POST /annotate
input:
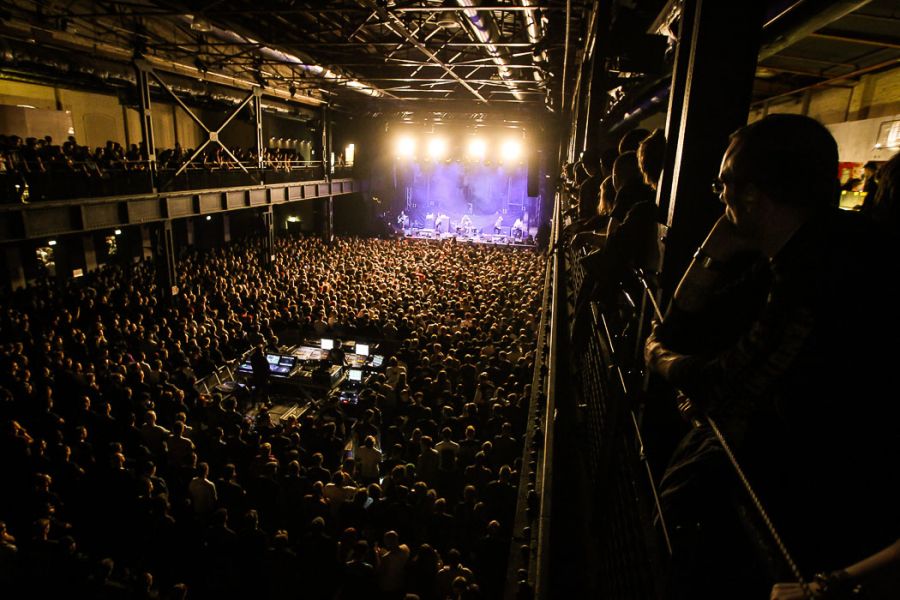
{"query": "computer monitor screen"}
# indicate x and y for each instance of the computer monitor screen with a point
(362, 349)
(355, 375)
(273, 359)
(377, 360)
(327, 344)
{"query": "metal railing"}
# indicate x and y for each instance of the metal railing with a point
(631, 552)
(708, 421)
(611, 378)
(88, 180)
(222, 374)
(583, 396)
(530, 546)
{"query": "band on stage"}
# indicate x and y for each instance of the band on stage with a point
(465, 225)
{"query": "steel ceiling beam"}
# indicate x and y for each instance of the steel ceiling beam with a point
(857, 73)
(802, 19)
(401, 30)
(841, 36)
(295, 61)
(352, 44)
(142, 12)
(64, 41)
(400, 62)
(483, 27)
(316, 80)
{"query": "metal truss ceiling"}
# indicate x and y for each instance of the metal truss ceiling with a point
(381, 55)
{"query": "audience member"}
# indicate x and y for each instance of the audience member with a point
(756, 348)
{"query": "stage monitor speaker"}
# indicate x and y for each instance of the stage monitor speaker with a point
(533, 174)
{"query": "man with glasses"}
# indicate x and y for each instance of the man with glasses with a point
(791, 356)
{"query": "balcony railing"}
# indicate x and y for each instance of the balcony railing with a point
(87, 180)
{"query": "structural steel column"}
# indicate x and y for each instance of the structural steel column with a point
(190, 231)
(15, 272)
(164, 255)
(268, 236)
(598, 99)
(90, 252)
(326, 141)
(676, 104)
(226, 227)
(328, 229)
(594, 104)
(715, 85)
(581, 105)
(145, 244)
(257, 111)
(143, 83)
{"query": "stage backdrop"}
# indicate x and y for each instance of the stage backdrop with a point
(482, 191)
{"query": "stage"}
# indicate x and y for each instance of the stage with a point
(471, 237)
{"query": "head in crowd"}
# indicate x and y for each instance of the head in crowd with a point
(590, 160)
(790, 159)
(870, 169)
(607, 158)
(626, 170)
(631, 140)
(607, 198)
(651, 155)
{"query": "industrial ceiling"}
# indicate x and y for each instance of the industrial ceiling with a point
(504, 60)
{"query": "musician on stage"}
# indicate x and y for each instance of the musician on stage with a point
(517, 229)
(497, 224)
(465, 225)
(403, 220)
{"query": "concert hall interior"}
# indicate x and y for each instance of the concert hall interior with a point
(449, 299)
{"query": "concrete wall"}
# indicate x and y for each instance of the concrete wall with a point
(855, 111)
(96, 118)
(870, 96)
(27, 121)
(858, 140)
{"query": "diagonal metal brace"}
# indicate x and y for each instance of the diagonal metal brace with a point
(396, 25)
(212, 135)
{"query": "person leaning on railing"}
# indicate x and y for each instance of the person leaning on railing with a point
(793, 367)
(876, 576)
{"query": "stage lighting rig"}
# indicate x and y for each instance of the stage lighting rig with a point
(510, 151)
(406, 147)
(437, 148)
(477, 149)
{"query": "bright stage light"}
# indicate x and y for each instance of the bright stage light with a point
(437, 148)
(477, 149)
(406, 147)
(510, 151)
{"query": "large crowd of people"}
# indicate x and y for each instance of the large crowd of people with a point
(120, 479)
